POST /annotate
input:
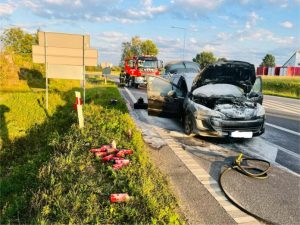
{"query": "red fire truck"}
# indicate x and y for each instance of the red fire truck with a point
(138, 67)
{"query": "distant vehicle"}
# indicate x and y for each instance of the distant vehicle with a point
(138, 67)
(224, 99)
(179, 67)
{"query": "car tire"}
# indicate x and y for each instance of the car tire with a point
(136, 86)
(188, 124)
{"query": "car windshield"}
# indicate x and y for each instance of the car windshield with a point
(186, 67)
(192, 67)
(148, 63)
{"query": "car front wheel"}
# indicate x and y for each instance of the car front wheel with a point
(188, 124)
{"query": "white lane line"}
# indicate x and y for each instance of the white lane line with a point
(133, 99)
(296, 105)
(283, 129)
(280, 109)
(278, 106)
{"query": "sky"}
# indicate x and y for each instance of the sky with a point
(243, 30)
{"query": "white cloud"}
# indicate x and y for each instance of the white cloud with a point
(264, 35)
(92, 10)
(287, 24)
(194, 8)
(58, 2)
(193, 40)
(113, 37)
(199, 4)
(253, 17)
(7, 9)
(224, 36)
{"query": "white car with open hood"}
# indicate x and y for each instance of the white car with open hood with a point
(224, 99)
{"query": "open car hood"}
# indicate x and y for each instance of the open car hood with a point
(241, 74)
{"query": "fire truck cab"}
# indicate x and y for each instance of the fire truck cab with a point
(138, 67)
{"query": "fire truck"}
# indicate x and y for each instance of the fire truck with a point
(138, 67)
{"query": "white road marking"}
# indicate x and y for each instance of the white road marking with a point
(283, 129)
(293, 108)
(133, 99)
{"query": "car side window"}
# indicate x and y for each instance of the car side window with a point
(162, 87)
(257, 87)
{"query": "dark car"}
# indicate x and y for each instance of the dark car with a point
(224, 99)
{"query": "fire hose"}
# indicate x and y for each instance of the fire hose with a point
(241, 165)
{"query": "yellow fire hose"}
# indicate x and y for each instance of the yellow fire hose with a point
(240, 165)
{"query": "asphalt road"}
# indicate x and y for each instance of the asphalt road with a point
(283, 122)
(273, 199)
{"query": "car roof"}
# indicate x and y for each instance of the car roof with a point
(179, 62)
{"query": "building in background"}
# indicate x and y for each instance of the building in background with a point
(294, 61)
(290, 68)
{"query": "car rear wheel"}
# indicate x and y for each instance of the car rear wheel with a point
(188, 124)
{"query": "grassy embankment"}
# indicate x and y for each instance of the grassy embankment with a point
(282, 86)
(47, 173)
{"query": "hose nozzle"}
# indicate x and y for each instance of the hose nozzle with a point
(239, 159)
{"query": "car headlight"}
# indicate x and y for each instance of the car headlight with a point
(260, 111)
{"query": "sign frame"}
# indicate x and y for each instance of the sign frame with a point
(64, 46)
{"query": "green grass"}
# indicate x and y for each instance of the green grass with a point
(282, 86)
(47, 173)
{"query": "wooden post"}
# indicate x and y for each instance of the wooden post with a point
(79, 109)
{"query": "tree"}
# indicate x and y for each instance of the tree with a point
(149, 48)
(18, 41)
(222, 59)
(137, 47)
(268, 60)
(204, 59)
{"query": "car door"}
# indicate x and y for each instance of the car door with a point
(165, 99)
(256, 91)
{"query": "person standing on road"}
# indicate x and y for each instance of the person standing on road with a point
(122, 77)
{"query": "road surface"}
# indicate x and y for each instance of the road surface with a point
(203, 159)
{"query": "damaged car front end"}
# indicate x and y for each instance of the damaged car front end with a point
(225, 115)
(224, 99)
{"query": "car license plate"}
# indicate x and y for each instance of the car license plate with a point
(238, 134)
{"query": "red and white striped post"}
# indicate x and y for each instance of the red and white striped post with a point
(78, 107)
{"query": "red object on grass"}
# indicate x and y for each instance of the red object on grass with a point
(111, 150)
(124, 162)
(124, 152)
(122, 197)
(100, 154)
(117, 166)
(102, 149)
(108, 158)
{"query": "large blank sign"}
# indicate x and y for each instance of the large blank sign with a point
(64, 54)
(69, 72)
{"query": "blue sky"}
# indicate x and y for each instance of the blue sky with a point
(235, 29)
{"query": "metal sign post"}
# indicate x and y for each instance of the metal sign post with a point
(83, 70)
(45, 47)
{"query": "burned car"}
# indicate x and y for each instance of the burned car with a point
(224, 99)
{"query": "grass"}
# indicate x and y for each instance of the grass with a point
(47, 173)
(282, 86)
